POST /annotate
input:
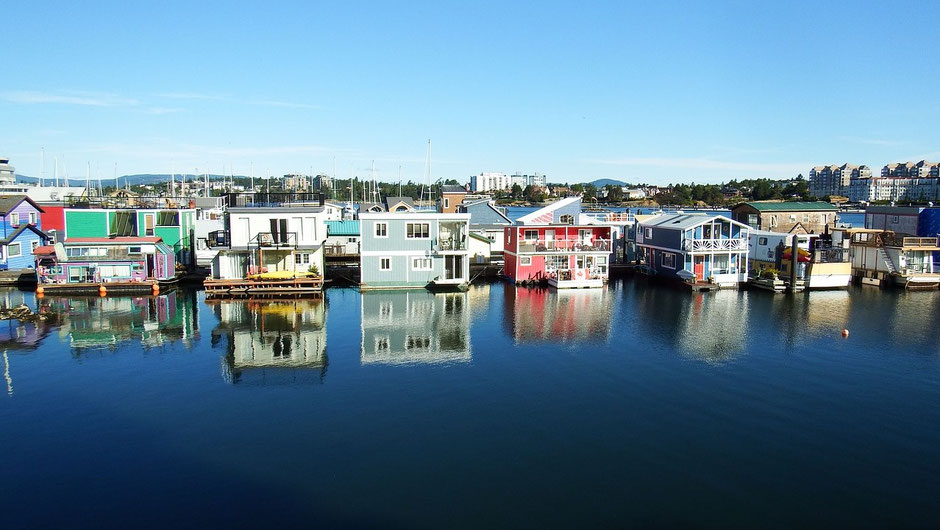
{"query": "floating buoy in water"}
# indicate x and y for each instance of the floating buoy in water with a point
(845, 333)
(156, 288)
(40, 289)
(102, 290)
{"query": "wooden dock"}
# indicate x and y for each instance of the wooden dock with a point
(97, 288)
(244, 288)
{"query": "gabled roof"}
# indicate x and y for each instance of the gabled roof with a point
(789, 206)
(347, 227)
(489, 203)
(9, 202)
(391, 202)
(20, 230)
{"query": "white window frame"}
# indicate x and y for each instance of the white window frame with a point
(14, 219)
(648, 233)
(762, 240)
(525, 261)
(383, 227)
(382, 262)
(131, 251)
(32, 218)
(33, 245)
(19, 250)
(412, 227)
(422, 264)
(446, 202)
(525, 235)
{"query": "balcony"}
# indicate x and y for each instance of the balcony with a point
(563, 245)
(713, 245)
(451, 244)
(218, 238)
(275, 239)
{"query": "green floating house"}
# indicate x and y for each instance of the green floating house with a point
(175, 226)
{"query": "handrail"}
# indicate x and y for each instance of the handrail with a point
(692, 245)
(565, 245)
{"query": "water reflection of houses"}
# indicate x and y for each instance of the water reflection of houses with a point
(96, 323)
(582, 315)
(277, 342)
(403, 327)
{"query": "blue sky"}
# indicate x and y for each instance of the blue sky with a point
(656, 92)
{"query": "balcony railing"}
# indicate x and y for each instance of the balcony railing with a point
(919, 242)
(611, 217)
(564, 245)
(451, 244)
(708, 245)
(275, 239)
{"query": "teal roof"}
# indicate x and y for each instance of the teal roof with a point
(348, 227)
(791, 206)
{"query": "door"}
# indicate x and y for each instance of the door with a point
(148, 225)
(700, 268)
(550, 240)
(150, 273)
(453, 267)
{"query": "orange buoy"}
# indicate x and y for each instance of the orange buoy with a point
(102, 290)
(40, 289)
(156, 288)
(845, 333)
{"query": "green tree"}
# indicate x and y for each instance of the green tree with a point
(517, 191)
(614, 193)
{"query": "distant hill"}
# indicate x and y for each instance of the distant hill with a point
(134, 180)
(600, 183)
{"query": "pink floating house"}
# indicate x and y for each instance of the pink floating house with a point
(564, 256)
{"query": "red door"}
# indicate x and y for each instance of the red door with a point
(700, 268)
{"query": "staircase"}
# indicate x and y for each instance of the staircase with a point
(887, 260)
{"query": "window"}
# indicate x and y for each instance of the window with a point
(421, 264)
(14, 219)
(14, 250)
(525, 262)
(32, 218)
(762, 241)
(566, 219)
(350, 240)
(649, 232)
(897, 218)
(418, 231)
(531, 235)
(669, 260)
(385, 264)
(114, 271)
(417, 343)
(133, 250)
(805, 217)
(773, 221)
(446, 202)
(33, 245)
(302, 258)
(168, 218)
(148, 224)
(381, 229)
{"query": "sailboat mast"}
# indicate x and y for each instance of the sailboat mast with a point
(42, 164)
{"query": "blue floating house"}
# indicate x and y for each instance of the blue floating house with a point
(694, 247)
(21, 232)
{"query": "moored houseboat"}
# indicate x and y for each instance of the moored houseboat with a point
(105, 264)
(886, 258)
(819, 264)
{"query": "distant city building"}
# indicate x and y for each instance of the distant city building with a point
(535, 179)
(490, 182)
(322, 182)
(834, 179)
(900, 181)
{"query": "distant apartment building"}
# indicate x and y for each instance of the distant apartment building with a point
(322, 182)
(535, 179)
(485, 182)
(834, 179)
(899, 181)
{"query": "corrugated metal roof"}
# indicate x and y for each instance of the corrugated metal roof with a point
(790, 206)
(683, 221)
(349, 227)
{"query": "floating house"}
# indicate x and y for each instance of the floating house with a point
(21, 232)
(174, 226)
(487, 220)
(819, 265)
(342, 238)
(261, 240)
(414, 249)
(788, 217)
(564, 256)
(694, 247)
(922, 221)
(886, 258)
(120, 263)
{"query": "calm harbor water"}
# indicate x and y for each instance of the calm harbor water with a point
(501, 407)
